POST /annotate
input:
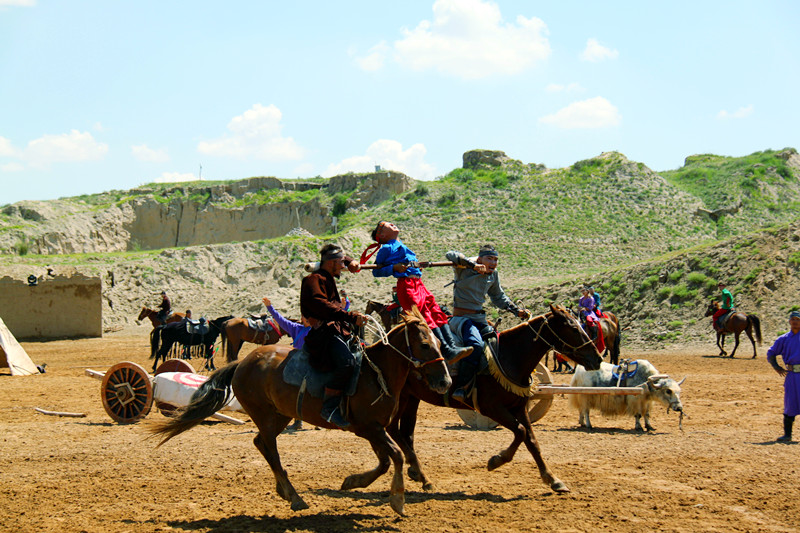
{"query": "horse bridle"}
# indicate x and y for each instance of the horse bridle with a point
(416, 362)
(565, 344)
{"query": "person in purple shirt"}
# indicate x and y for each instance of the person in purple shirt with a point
(788, 347)
(296, 330)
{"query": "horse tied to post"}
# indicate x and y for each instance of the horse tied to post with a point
(504, 392)
(735, 323)
(162, 338)
(257, 381)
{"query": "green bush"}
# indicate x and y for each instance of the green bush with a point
(675, 276)
(683, 292)
(339, 204)
(696, 278)
(675, 324)
(649, 281)
(663, 292)
(22, 247)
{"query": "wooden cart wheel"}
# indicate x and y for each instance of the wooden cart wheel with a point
(540, 403)
(127, 392)
(174, 365)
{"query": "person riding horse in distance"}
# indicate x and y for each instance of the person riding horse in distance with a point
(726, 305)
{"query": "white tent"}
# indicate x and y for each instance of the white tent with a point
(13, 356)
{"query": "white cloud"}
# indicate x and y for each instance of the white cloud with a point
(12, 167)
(144, 153)
(374, 59)
(255, 133)
(72, 146)
(175, 177)
(569, 88)
(303, 170)
(469, 39)
(593, 113)
(17, 3)
(742, 112)
(390, 156)
(595, 52)
(6, 149)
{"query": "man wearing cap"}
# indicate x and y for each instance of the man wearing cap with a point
(476, 279)
(788, 347)
(726, 306)
(327, 343)
(165, 306)
(396, 259)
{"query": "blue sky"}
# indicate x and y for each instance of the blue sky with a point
(101, 95)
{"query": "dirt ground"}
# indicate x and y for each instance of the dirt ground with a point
(723, 472)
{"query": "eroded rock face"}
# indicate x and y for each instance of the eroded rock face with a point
(484, 158)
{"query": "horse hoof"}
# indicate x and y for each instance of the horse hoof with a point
(299, 505)
(495, 462)
(398, 503)
(282, 493)
(559, 486)
(351, 482)
(427, 486)
(413, 474)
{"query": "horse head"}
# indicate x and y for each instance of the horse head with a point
(418, 346)
(144, 313)
(373, 307)
(568, 337)
(713, 307)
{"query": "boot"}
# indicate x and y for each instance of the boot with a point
(450, 351)
(331, 412)
(788, 421)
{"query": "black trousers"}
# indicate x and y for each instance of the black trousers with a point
(329, 352)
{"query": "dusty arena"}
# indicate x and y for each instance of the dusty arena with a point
(722, 472)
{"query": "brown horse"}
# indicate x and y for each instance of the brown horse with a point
(237, 330)
(153, 316)
(611, 336)
(257, 381)
(736, 323)
(387, 319)
(504, 393)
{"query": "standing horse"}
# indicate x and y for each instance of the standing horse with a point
(163, 337)
(153, 316)
(611, 336)
(736, 323)
(504, 393)
(257, 382)
(237, 330)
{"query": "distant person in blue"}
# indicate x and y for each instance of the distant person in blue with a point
(296, 330)
(597, 306)
(788, 347)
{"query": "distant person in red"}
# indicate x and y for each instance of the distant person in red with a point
(396, 259)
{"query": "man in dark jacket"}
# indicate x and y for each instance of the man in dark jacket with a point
(327, 343)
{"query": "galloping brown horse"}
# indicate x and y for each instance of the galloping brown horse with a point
(237, 330)
(505, 391)
(736, 323)
(257, 382)
(153, 316)
(387, 319)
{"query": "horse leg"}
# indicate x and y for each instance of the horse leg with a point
(365, 479)
(502, 416)
(736, 345)
(386, 450)
(752, 340)
(401, 429)
(270, 424)
(721, 344)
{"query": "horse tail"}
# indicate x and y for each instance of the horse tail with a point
(155, 337)
(209, 398)
(756, 325)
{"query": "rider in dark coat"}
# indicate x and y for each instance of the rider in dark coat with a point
(331, 327)
(165, 306)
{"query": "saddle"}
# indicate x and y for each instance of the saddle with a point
(197, 327)
(620, 374)
(262, 324)
(298, 371)
(723, 319)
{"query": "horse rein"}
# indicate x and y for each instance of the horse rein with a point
(417, 363)
(564, 343)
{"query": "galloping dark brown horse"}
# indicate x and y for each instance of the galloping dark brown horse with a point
(257, 382)
(383, 311)
(237, 330)
(153, 316)
(505, 391)
(736, 323)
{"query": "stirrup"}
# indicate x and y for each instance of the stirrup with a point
(459, 355)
